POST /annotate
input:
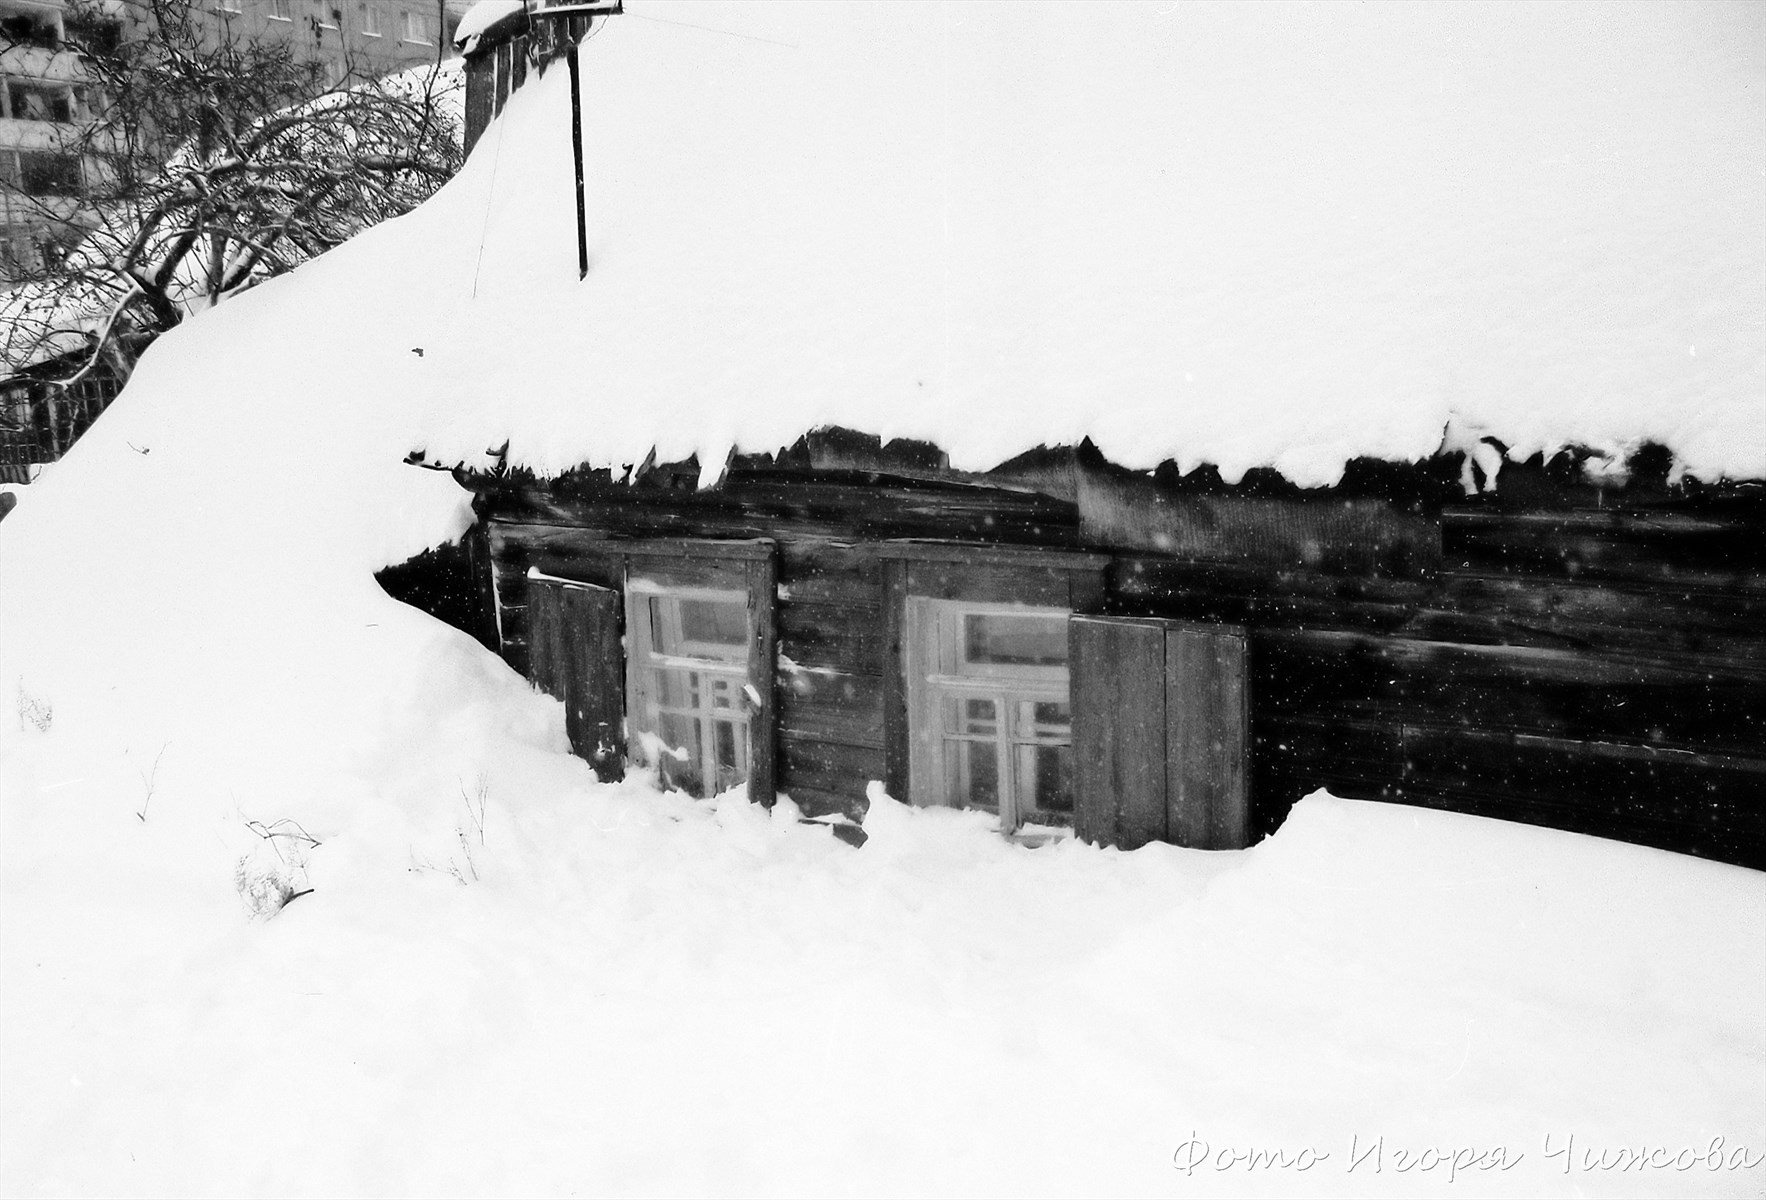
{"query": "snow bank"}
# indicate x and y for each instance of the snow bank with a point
(700, 998)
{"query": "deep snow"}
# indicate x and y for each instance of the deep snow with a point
(643, 993)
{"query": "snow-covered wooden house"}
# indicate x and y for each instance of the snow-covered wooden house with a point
(1080, 417)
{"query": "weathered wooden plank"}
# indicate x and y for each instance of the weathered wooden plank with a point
(923, 550)
(575, 656)
(1592, 697)
(895, 697)
(548, 662)
(1207, 737)
(594, 692)
(818, 803)
(824, 572)
(1726, 623)
(842, 638)
(830, 706)
(829, 505)
(1117, 668)
(762, 680)
(480, 89)
(504, 72)
(1323, 532)
(828, 767)
(1713, 805)
(989, 583)
(1657, 546)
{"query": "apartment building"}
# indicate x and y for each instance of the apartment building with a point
(45, 98)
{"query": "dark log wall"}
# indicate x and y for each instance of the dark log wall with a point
(1588, 668)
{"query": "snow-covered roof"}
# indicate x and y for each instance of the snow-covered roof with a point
(1235, 234)
(1229, 234)
(480, 17)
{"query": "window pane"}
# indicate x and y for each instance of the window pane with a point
(1015, 640)
(677, 688)
(680, 764)
(973, 717)
(719, 621)
(730, 746)
(1043, 720)
(972, 774)
(1044, 778)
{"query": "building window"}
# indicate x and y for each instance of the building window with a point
(31, 100)
(988, 703)
(228, 7)
(34, 28)
(370, 21)
(18, 254)
(663, 654)
(328, 18)
(691, 699)
(279, 11)
(416, 27)
(46, 173)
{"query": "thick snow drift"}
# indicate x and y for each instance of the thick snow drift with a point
(640, 995)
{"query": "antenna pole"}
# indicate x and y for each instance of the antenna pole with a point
(576, 147)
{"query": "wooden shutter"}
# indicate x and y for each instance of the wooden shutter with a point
(1160, 732)
(574, 654)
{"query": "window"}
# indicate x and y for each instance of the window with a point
(370, 21)
(988, 695)
(688, 690)
(279, 11)
(38, 28)
(977, 705)
(228, 7)
(46, 173)
(691, 700)
(18, 253)
(33, 100)
(416, 27)
(328, 18)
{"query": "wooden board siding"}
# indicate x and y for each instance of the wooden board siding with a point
(1592, 669)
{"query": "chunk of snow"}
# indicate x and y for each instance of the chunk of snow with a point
(480, 17)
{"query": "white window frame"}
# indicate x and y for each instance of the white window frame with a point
(280, 10)
(644, 708)
(371, 20)
(938, 670)
(416, 28)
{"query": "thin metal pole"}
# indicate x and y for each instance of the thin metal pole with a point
(576, 146)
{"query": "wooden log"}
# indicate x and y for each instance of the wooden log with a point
(816, 571)
(829, 706)
(828, 767)
(847, 638)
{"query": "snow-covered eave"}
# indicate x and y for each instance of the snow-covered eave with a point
(1461, 469)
